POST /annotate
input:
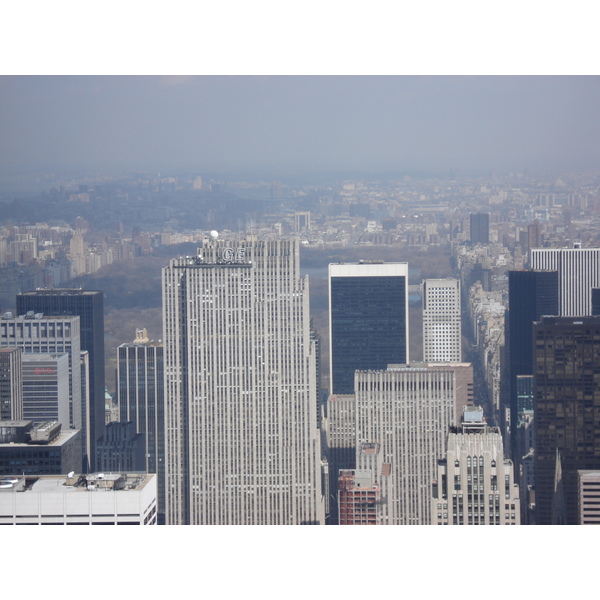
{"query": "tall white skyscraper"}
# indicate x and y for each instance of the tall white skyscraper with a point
(578, 272)
(403, 417)
(241, 439)
(441, 320)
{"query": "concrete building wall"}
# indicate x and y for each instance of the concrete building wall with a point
(407, 412)
(242, 444)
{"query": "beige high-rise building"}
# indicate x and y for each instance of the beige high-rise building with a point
(241, 439)
(474, 484)
(589, 497)
(403, 417)
(442, 335)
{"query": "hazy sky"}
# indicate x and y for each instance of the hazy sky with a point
(300, 123)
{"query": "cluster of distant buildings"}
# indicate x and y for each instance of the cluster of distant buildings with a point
(136, 216)
(224, 423)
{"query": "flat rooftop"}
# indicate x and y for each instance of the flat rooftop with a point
(78, 483)
(62, 438)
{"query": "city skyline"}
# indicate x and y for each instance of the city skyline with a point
(432, 39)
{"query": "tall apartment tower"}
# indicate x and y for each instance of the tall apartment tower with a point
(578, 273)
(534, 235)
(89, 307)
(442, 335)
(480, 228)
(403, 417)
(566, 409)
(475, 484)
(241, 439)
(11, 384)
(368, 324)
(140, 397)
(531, 294)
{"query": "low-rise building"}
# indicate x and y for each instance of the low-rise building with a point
(94, 499)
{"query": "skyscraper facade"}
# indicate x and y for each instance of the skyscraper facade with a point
(241, 439)
(340, 428)
(589, 497)
(368, 324)
(46, 388)
(88, 305)
(566, 409)
(596, 302)
(39, 334)
(442, 334)
(578, 273)
(475, 483)
(480, 228)
(531, 294)
(403, 417)
(11, 384)
(140, 390)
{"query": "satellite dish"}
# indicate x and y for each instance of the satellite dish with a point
(214, 234)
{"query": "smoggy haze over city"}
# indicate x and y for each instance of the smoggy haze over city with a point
(299, 123)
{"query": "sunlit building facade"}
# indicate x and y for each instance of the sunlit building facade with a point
(442, 334)
(403, 417)
(241, 439)
(578, 273)
(475, 484)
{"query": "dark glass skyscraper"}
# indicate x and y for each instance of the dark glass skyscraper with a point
(89, 307)
(596, 302)
(368, 325)
(531, 294)
(480, 228)
(566, 410)
(140, 388)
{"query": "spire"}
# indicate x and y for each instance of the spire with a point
(558, 516)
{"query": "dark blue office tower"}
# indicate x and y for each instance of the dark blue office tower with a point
(368, 325)
(566, 413)
(480, 228)
(531, 294)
